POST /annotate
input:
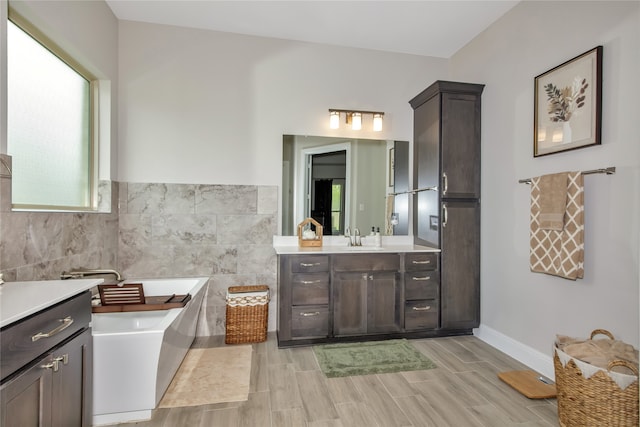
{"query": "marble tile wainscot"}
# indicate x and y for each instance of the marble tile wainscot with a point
(41, 245)
(183, 230)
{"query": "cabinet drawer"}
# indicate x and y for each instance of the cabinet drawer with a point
(421, 261)
(422, 314)
(421, 285)
(25, 340)
(310, 288)
(309, 263)
(310, 321)
(367, 262)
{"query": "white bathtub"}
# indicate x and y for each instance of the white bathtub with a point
(136, 354)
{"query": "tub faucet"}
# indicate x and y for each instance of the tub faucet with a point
(80, 273)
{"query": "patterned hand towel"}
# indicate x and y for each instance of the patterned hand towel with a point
(553, 200)
(388, 227)
(559, 252)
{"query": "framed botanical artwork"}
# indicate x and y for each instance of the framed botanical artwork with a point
(568, 105)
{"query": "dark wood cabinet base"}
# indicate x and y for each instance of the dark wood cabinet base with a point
(431, 333)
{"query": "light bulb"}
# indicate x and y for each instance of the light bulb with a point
(334, 119)
(377, 122)
(356, 121)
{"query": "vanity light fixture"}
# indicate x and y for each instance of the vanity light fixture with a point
(354, 118)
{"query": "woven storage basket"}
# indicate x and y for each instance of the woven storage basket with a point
(247, 314)
(597, 400)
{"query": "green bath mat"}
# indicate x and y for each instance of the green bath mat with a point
(347, 359)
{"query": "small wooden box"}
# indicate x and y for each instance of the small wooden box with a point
(317, 242)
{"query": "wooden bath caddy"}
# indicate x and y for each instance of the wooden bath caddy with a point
(130, 297)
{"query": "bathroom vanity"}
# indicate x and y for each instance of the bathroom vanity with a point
(335, 293)
(46, 353)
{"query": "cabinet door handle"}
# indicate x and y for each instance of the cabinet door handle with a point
(427, 261)
(66, 322)
(445, 183)
(421, 278)
(425, 308)
(310, 314)
(309, 282)
(64, 359)
(309, 264)
(445, 215)
(53, 365)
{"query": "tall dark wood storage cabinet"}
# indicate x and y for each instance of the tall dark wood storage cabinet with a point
(447, 156)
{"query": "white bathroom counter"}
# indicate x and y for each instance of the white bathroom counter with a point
(21, 299)
(338, 245)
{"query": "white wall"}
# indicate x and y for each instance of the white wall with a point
(206, 107)
(529, 40)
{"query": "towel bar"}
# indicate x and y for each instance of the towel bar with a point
(417, 190)
(609, 171)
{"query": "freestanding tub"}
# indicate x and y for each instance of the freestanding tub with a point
(136, 354)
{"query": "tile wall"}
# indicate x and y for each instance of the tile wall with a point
(154, 230)
(224, 232)
(41, 245)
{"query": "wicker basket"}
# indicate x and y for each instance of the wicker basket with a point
(597, 400)
(247, 314)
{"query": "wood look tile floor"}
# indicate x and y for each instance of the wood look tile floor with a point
(289, 390)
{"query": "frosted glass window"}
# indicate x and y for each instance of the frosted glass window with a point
(49, 127)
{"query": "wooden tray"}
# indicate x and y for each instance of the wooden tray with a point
(529, 384)
(163, 302)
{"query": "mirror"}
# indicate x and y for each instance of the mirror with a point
(345, 183)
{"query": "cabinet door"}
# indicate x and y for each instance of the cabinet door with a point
(25, 401)
(72, 386)
(460, 146)
(383, 302)
(460, 265)
(350, 303)
(427, 171)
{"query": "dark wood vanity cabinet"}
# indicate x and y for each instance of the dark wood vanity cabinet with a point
(460, 266)
(447, 158)
(47, 378)
(366, 294)
(303, 297)
(421, 291)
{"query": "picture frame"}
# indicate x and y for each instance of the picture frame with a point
(568, 105)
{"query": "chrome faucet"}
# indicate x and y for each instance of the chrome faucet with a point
(80, 273)
(347, 234)
(356, 237)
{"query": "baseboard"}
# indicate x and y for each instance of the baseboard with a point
(534, 359)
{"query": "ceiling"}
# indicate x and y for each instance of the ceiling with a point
(428, 28)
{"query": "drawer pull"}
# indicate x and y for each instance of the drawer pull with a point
(309, 264)
(309, 282)
(310, 314)
(421, 278)
(66, 322)
(427, 261)
(64, 359)
(53, 365)
(425, 308)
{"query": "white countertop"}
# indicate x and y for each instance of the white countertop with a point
(21, 299)
(338, 245)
